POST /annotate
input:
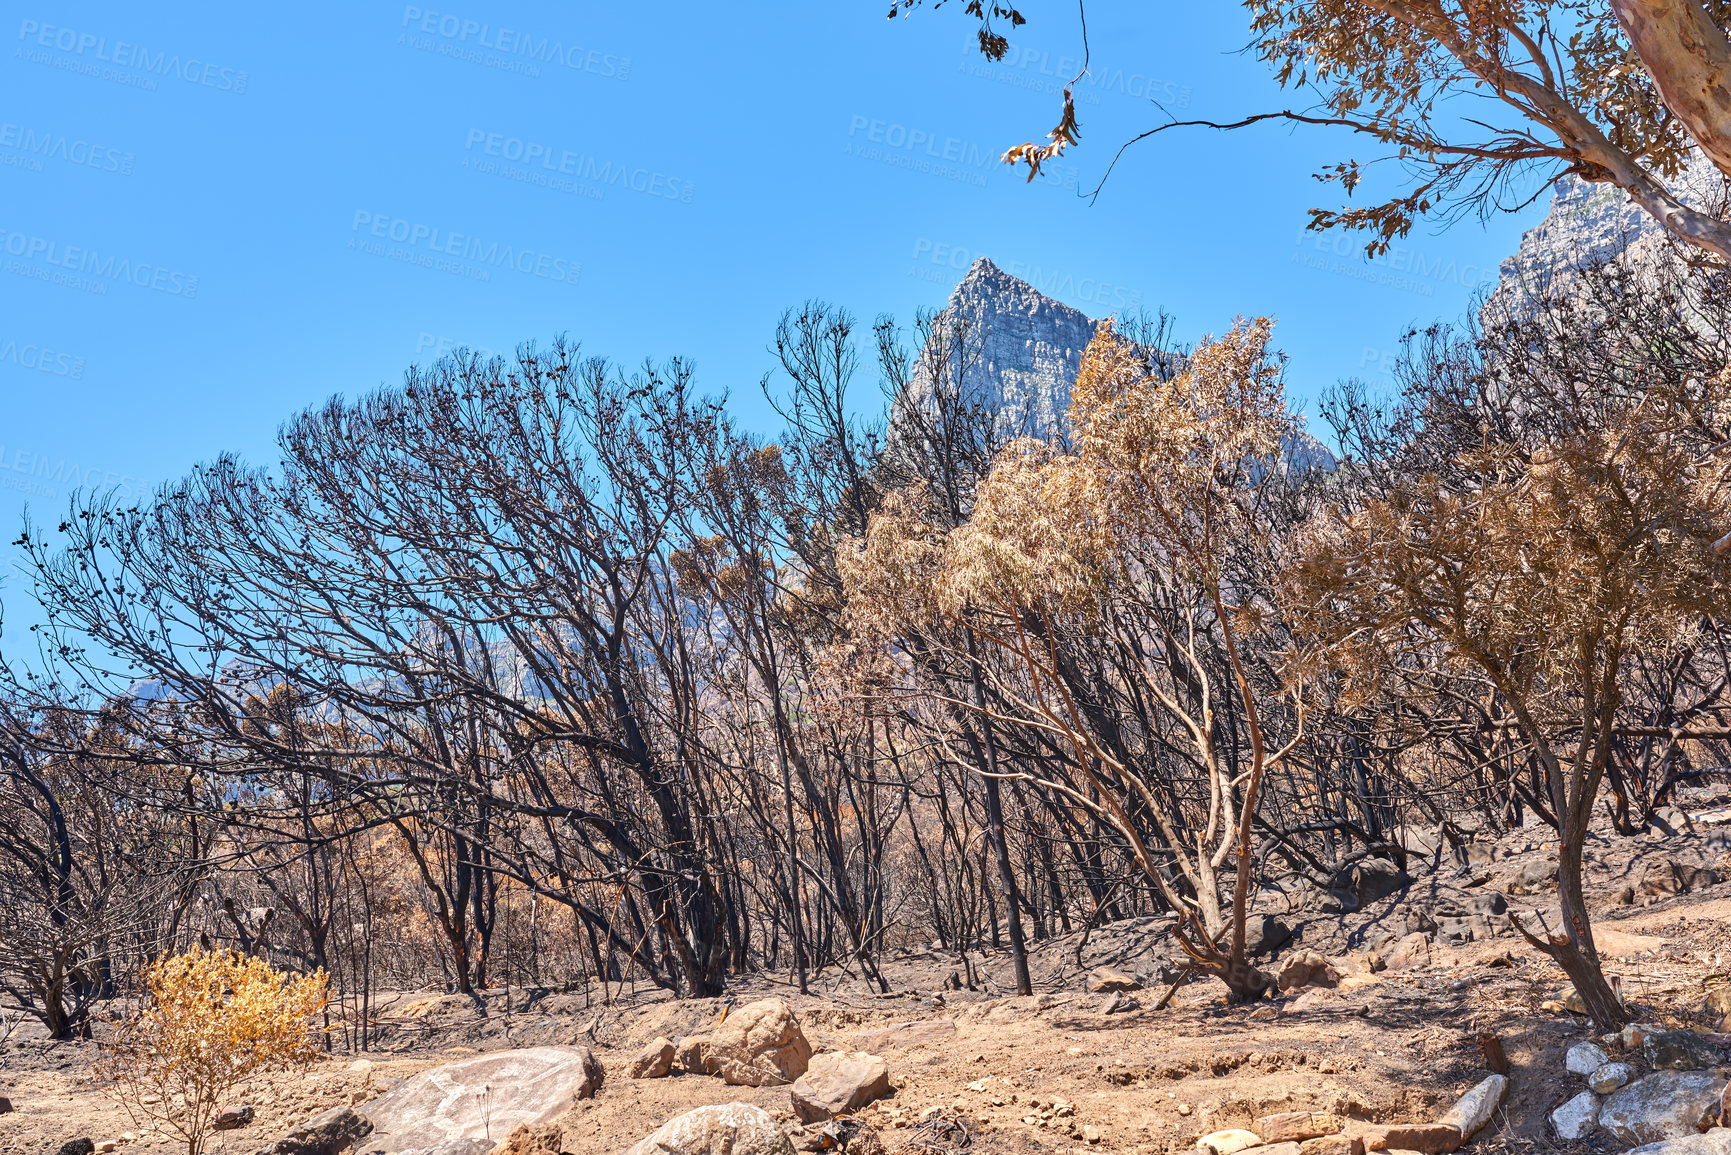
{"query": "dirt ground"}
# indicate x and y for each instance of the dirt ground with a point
(1055, 1072)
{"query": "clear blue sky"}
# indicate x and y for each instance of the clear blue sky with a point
(217, 215)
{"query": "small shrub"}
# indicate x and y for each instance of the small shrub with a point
(210, 1020)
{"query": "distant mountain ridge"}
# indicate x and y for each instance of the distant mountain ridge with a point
(1025, 352)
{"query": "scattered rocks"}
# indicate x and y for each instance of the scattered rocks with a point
(1106, 981)
(1293, 1126)
(1664, 1105)
(654, 1061)
(1576, 1117)
(486, 1095)
(229, 1118)
(324, 1134)
(1411, 951)
(1474, 1109)
(1609, 1077)
(1585, 1058)
(759, 1045)
(726, 1129)
(838, 1082)
(1228, 1142)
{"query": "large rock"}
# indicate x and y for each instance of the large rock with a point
(760, 1045)
(1411, 951)
(1474, 1109)
(1428, 1138)
(324, 1134)
(1264, 933)
(1104, 980)
(726, 1129)
(1307, 968)
(1228, 1142)
(1294, 1126)
(464, 1103)
(1369, 879)
(838, 1082)
(1664, 1105)
(1714, 1142)
(1683, 1051)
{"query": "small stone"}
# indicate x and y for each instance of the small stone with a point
(105, 1146)
(1184, 1108)
(1635, 1034)
(1228, 1142)
(1332, 1145)
(1474, 1109)
(230, 1117)
(1585, 1058)
(1091, 1133)
(1609, 1077)
(361, 1067)
(1576, 1117)
(1427, 1138)
(5, 1105)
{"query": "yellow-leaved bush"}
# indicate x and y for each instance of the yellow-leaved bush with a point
(209, 1021)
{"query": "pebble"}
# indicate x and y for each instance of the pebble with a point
(106, 1145)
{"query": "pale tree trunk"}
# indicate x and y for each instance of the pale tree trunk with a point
(1689, 59)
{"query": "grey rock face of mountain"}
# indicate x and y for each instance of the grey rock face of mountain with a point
(1025, 350)
(1587, 223)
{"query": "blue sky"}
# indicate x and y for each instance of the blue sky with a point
(217, 215)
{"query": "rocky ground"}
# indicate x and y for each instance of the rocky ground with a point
(1420, 977)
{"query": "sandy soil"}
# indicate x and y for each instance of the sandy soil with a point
(1031, 1074)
